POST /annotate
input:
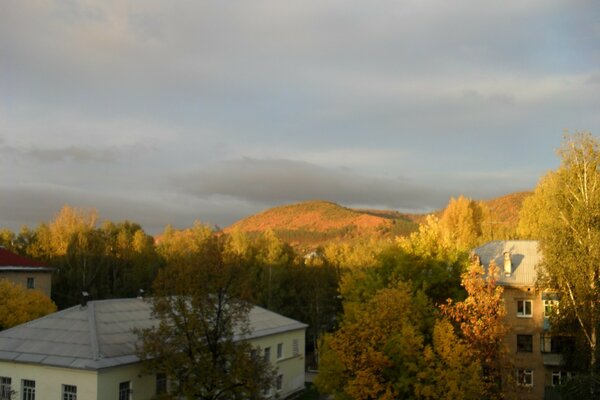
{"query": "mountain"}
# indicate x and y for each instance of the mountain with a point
(312, 223)
(315, 222)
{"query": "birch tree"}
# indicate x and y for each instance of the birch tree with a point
(564, 215)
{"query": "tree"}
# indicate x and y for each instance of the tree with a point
(390, 347)
(564, 215)
(19, 305)
(480, 318)
(461, 223)
(199, 303)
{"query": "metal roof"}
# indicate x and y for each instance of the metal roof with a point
(10, 259)
(100, 335)
(524, 257)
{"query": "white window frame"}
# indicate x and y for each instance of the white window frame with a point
(549, 305)
(125, 393)
(279, 351)
(522, 375)
(69, 392)
(161, 383)
(27, 389)
(522, 304)
(5, 387)
(279, 383)
(295, 347)
(267, 354)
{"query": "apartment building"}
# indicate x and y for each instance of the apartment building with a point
(536, 353)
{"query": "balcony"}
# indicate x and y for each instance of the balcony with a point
(552, 359)
(553, 347)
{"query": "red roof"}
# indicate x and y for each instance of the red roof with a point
(10, 259)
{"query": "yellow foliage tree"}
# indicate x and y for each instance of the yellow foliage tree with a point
(19, 305)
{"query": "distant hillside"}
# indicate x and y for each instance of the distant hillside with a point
(315, 222)
(504, 214)
(312, 223)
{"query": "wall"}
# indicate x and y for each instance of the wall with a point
(527, 326)
(291, 366)
(49, 380)
(43, 280)
(143, 386)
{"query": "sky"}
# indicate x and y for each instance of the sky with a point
(166, 112)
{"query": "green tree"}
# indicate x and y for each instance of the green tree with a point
(564, 215)
(19, 305)
(199, 303)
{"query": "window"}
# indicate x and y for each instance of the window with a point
(30, 283)
(525, 377)
(525, 343)
(524, 308)
(161, 383)
(279, 382)
(549, 306)
(5, 389)
(69, 392)
(28, 389)
(557, 378)
(267, 354)
(125, 390)
(279, 351)
(295, 347)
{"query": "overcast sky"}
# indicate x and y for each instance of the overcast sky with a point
(174, 111)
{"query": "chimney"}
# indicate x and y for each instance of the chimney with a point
(507, 264)
(85, 296)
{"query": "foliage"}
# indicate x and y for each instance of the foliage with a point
(19, 305)
(461, 223)
(564, 214)
(480, 317)
(390, 347)
(199, 301)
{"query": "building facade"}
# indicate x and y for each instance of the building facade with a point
(88, 353)
(24, 271)
(536, 353)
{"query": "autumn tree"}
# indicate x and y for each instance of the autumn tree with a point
(383, 350)
(199, 301)
(19, 305)
(564, 215)
(461, 223)
(480, 318)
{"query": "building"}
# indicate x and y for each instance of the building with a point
(88, 352)
(22, 270)
(536, 354)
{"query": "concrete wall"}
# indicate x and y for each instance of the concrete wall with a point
(291, 366)
(143, 386)
(49, 380)
(43, 280)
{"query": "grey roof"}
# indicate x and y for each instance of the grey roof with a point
(101, 334)
(524, 256)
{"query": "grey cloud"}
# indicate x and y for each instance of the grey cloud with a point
(32, 204)
(281, 181)
(77, 154)
(73, 153)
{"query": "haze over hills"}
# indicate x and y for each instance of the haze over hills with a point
(312, 223)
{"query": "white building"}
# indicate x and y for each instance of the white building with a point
(88, 353)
